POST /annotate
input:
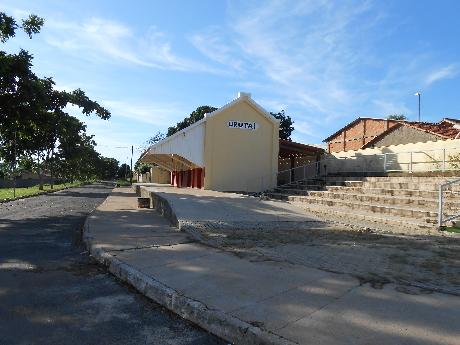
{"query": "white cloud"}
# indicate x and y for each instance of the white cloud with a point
(447, 72)
(212, 44)
(306, 50)
(272, 105)
(160, 115)
(305, 128)
(103, 40)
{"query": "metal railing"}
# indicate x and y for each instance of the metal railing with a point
(446, 159)
(408, 161)
(442, 188)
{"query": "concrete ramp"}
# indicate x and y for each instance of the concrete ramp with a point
(194, 209)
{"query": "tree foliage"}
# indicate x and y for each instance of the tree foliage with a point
(156, 138)
(286, 125)
(143, 168)
(195, 116)
(124, 171)
(34, 125)
(400, 117)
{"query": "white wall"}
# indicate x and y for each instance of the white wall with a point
(188, 143)
(428, 156)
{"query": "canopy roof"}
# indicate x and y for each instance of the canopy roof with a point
(292, 149)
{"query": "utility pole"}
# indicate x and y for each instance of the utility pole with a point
(131, 173)
(14, 165)
(418, 94)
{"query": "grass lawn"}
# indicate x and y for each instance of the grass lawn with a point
(7, 193)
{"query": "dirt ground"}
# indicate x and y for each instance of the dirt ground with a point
(431, 262)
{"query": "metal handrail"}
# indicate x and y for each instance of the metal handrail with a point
(441, 200)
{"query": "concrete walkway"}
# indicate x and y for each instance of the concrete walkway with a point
(195, 208)
(248, 301)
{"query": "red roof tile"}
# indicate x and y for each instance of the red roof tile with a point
(445, 129)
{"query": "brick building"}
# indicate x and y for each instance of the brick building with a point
(370, 132)
(358, 133)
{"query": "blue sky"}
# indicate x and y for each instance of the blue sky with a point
(151, 63)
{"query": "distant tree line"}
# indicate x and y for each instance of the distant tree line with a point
(36, 133)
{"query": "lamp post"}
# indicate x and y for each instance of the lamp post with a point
(418, 94)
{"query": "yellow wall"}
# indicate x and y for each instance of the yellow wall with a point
(238, 159)
(160, 175)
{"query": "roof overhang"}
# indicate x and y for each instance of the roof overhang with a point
(289, 149)
(171, 162)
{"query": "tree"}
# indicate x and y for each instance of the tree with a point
(195, 116)
(33, 123)
(143, 168)
(124, 171)
(108, 168)
(286, 123)
(399, 117)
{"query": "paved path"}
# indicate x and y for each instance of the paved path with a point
(52, 293)
(288, 303)
(217, 209)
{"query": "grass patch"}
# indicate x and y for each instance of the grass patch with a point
(6, 194)
(123, 183)
(452, 229)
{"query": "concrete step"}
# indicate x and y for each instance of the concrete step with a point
(300, 187)
(385, 222)
(405, 178)
(292, 191)
(422, 203)
(396, 210)
(401, 185)
(385, 191)
(275, 196)
(320, 182)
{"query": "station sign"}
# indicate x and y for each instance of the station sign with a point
(250, 126)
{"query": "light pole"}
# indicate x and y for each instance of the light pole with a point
(418, 94)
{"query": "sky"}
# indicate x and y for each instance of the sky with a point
(324, 62)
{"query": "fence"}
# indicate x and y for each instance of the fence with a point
(444, 159)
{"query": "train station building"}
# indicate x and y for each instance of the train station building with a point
(234, 148)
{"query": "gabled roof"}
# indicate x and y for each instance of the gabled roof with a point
(351, 124)
(443, 129)
(446, 129)
(244, 97)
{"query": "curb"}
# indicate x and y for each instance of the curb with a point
(214, 321)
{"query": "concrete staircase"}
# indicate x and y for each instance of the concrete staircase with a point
(386, 203)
